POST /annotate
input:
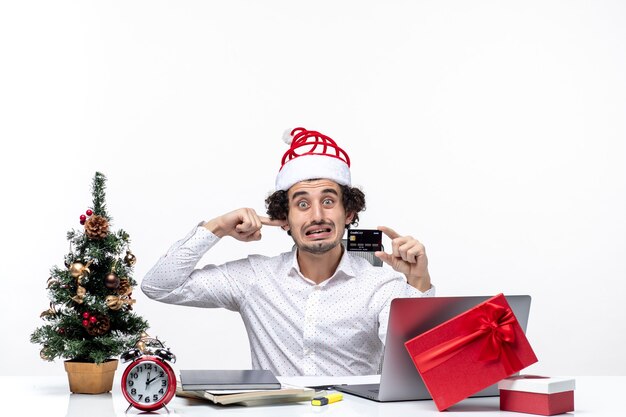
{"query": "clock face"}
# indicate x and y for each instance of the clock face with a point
(148, 383)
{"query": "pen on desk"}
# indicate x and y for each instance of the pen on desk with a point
(327, 399)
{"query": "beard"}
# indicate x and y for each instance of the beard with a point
(318, 248)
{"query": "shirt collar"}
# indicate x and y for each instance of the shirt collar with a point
(344, 269)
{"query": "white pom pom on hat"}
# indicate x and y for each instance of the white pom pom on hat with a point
(287, 137)
(312, 155)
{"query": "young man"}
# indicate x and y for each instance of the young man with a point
(317, 310)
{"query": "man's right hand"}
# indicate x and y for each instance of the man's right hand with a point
(243, 224)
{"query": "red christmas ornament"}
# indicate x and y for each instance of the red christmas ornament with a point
(61, 331)
(89, 212)
(85, 315)
(85, 323)
(83, 217)
(93, 319)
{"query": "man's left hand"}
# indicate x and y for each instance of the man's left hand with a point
(408, 256)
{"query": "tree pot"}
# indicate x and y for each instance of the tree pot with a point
(90, 378)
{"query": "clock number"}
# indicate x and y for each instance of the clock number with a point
(147, 399)
(133, 391)
(134, 375)
(163, 383)
(140, 397)
(155, 397)
(161, 374)
(161, 391)
(131, 382)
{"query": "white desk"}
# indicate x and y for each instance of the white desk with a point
(50, 397)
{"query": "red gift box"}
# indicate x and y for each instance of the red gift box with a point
(470, 352)
(533, 394)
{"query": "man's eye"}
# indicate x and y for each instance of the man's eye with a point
(328, 202)
(302, 204)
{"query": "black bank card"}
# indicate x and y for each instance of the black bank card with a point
(364, 240)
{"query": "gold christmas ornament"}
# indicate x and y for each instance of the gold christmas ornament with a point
(141, 346)
(43, 355)
(80, 294)
(130, 259)
(96, 227)
(78, 270)
(115, 302)
(49, 312)
(143, 342)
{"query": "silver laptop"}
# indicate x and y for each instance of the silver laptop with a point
(409, 317)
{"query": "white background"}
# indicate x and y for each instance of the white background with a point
(493, 131)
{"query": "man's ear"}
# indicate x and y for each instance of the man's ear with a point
(350, 217)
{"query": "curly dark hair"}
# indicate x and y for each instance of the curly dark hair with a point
(353, 200)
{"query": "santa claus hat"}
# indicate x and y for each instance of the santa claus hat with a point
(312, 155)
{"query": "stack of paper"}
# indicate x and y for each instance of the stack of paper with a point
(244, 387)
(287, 393)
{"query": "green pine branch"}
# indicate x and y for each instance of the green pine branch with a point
(97, 190)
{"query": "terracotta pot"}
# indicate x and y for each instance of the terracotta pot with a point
(90, 378)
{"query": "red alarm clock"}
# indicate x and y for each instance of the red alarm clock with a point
(149, 382)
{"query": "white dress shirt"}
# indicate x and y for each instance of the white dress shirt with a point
(295, 326)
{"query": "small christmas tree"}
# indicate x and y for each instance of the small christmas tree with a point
(90, 317)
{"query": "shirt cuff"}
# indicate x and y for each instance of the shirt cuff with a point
(202, 240)
(429, 292)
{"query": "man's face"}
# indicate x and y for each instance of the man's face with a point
(317, 218)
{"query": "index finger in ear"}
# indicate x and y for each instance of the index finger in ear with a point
(269, 222)
(391, 234)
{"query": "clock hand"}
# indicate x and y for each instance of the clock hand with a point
(148, 382)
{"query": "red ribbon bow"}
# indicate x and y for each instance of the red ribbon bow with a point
(495, 326)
